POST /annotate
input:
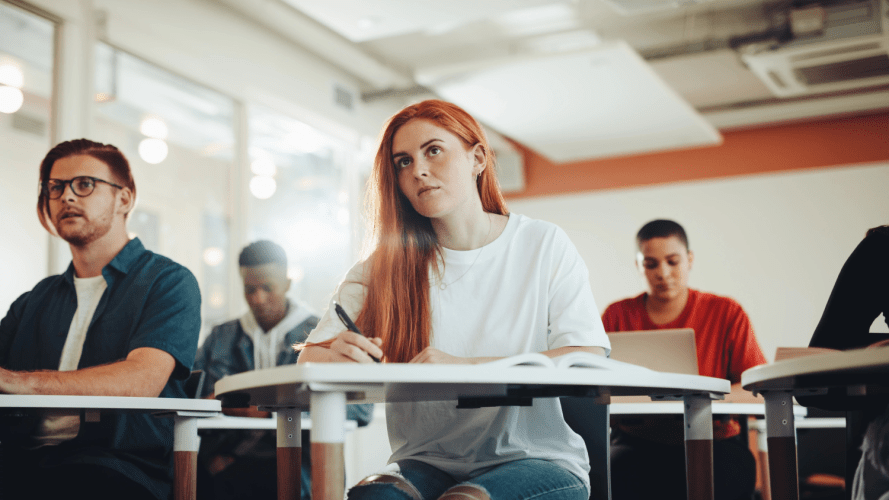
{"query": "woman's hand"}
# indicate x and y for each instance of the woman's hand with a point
(433, 355)
(351, 346)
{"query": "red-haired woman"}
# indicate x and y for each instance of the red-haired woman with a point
(452, 277)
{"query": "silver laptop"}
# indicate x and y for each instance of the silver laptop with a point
(661, 350)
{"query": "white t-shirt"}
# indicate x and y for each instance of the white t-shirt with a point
(62, 425)
(527, 291)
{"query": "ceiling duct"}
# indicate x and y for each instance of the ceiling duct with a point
(849, 51)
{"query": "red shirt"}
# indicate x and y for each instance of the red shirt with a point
(724, 338)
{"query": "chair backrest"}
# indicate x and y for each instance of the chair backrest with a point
(194, 384)
(590, 420)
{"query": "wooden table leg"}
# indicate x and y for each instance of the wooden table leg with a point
(289, 454)
(781, 439)
(699, 446)
(185, 457)
(762, 463)
(328, 411)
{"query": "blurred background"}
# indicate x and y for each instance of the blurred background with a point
(762, 126)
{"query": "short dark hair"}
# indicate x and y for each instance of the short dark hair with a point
(661, 228)
(262, 252)
(106, 153)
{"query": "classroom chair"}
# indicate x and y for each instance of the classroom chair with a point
(590, 420)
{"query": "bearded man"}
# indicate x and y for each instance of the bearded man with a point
(120, 321)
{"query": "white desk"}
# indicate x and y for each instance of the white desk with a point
(185, 414)
(779, 382)
(326, 388)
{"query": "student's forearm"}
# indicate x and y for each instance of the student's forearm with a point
(141, 374)
(565, 350)
(318, 354)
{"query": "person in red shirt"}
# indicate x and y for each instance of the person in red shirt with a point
(726, 346)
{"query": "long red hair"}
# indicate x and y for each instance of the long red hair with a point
(401, 246)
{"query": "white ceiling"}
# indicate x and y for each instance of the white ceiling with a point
(692, 45)
(599, 102)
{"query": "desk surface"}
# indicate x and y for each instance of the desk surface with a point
(108, 403)
(792, 373)
(373, 383)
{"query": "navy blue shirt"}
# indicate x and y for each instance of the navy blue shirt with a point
(150, 301)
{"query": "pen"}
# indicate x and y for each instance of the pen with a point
(350, 325)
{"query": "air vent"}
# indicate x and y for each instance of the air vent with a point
(868, 67)
(851, 49)
(29, 124)
(343, 98)
(851, 53)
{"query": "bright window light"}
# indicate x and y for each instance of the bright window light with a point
(264, 165)
(154, 128)
(11, 75)
(153, 151)
(263, 187)
(213, 256)
(296, 273)
(11, 99)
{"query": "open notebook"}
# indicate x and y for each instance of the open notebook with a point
(570, 360)
(660, 350)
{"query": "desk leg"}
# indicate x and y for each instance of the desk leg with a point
(762, 451)
(289, 454)
(328, 464)
(781, 439)
(699, 447)
(185, 457)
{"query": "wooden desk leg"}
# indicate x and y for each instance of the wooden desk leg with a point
(762, 463)
(328, 411)
(781, 439)
(699, 446)
(289, 454)
(185, 457)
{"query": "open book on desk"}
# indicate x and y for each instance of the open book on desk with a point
(577, 359)
(783, 353)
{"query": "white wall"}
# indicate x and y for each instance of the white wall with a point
(773, 242)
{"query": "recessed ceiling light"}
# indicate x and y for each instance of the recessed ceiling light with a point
(537, 20)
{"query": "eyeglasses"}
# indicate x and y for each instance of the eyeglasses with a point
(82, 186)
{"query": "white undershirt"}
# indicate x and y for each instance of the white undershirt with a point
(61, 425)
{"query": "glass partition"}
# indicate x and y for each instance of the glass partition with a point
(299, 198)
(26, 98)
(179, 138)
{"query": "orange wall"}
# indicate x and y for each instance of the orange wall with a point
(823, 143)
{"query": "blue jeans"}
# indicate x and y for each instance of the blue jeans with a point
(517, 480)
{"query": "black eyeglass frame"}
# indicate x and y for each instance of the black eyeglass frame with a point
(70, 182)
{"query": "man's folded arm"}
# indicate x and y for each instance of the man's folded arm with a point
(144, 373)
